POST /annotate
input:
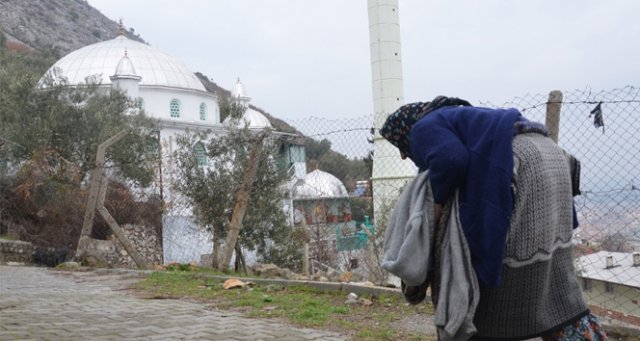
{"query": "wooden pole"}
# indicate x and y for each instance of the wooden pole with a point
(554, 104)
(305, 250)
(242, 199)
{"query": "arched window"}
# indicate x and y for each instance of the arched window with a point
(200, 154)
(175, 108)
(203, 112)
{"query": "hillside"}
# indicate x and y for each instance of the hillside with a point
(64, 25)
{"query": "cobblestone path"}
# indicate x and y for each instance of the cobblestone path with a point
(42, 304)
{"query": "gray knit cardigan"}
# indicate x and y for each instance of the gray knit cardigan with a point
(539, 291)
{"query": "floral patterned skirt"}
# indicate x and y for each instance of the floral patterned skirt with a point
(586, 328)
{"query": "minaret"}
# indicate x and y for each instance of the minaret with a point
(239, 93)
(125, 77)
(390, 173)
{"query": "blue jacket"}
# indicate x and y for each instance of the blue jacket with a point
(470, 148)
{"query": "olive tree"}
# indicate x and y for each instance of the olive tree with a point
(49, 134)
(212, 188)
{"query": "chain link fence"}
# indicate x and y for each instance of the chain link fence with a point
(330, 201)
(601, 129)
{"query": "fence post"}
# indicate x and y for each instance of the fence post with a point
(305, 249)
(554, 104)
(97, 195)
(115, 228)
(94, 192)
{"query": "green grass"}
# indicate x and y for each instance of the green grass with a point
(299, 305)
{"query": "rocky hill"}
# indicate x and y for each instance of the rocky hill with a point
(64, 25)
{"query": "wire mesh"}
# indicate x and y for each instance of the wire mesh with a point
(341, 230)
(608, 208)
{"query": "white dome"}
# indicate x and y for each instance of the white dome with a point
(252, 119)
(101, 59)
(319, 184)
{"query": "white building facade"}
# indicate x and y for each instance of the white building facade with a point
(170, 93)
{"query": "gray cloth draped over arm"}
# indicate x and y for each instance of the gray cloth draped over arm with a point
(409, 236)
(408, 252)
(459, 288)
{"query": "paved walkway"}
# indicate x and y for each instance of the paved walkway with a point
(42, 304)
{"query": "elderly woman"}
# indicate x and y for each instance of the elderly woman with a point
(516, 211)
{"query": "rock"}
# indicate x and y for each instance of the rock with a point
(366, 302)
(352, 298)
(286, 274)
(266, 270)
(16, 251)
(68, 265)
(98, 253)
(67, 25)
(322, 279)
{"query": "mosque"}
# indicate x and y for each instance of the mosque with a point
(168, 91)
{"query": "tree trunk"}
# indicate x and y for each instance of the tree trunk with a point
(240, 263)
(215, 255)
(242, 199)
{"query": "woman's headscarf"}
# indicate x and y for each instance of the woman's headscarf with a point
(397, 127)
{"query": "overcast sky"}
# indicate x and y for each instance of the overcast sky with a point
(311, 58)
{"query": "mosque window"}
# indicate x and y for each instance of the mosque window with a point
(200, 154)
(203, 111)
(174, 107)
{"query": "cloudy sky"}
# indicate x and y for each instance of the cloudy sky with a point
(311, 58)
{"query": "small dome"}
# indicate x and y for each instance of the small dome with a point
(319, 184)
(252, 119)
(125, 67)
(156, 67)
(239, 91)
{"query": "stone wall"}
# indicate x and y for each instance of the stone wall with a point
(111, 253)
(145, 240)
(16, 251)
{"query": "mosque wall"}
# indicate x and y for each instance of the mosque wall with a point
(157, 103)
